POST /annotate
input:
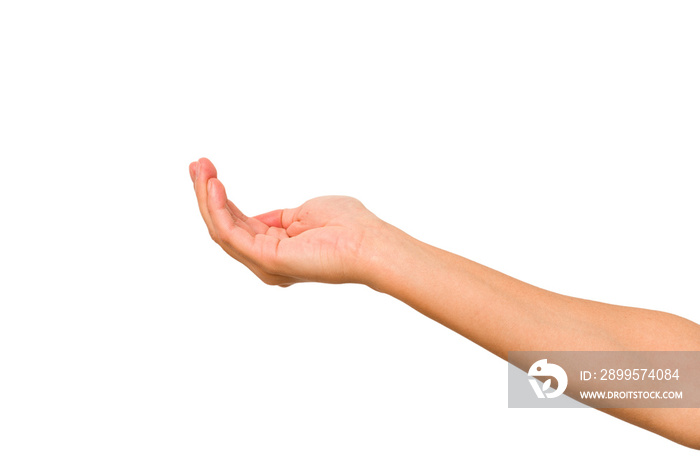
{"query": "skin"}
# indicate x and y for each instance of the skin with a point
(335, 239)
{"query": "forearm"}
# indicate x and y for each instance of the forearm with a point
(502, 314)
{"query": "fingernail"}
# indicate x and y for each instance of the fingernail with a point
(192, 171)
(196, 170)
(210, 185)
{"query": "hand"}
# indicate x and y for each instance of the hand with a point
(332, 239)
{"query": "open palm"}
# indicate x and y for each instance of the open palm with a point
(325, 239)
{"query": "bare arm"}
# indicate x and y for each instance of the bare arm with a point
(335, 240)
(503, 314)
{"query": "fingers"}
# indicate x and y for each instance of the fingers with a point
(272, 219)
(235, 211)
(236, 237)
(228, 230)
(281, 218)
(221, 215)
(252, 224)
(202, 171)
(231, 229)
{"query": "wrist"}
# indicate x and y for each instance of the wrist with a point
(391, 257)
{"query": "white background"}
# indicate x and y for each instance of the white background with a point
(555, 142)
